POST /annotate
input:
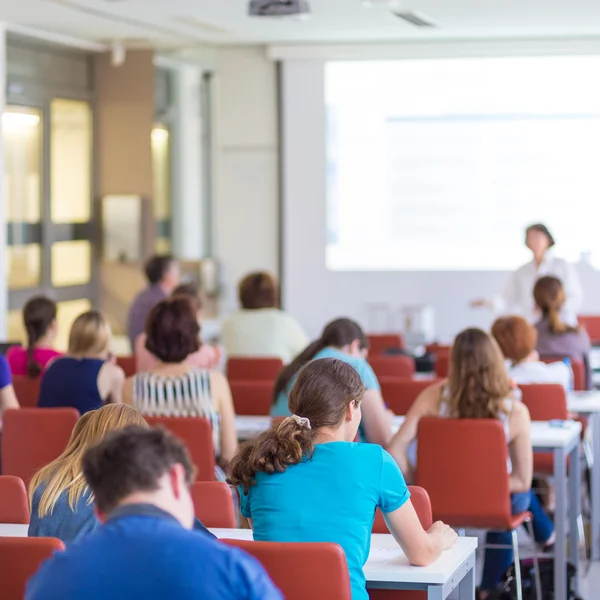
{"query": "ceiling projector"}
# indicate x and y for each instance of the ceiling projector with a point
(278, 8)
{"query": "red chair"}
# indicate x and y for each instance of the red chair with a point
(213, 504)
(392, 365)
(463, 466)
(302, 570)
(196, 433)
(128, 364)
(27, 390)
(20, 558)
(546, 402)
(591, 323)
(400, 393)
(240, 368)
(380, 342)
(442, 365)
(578, 366)
(34, 437)
(252, 397)
(438, 349)
(422, 506)
(14, 503)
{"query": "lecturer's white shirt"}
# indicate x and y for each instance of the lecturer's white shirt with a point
(517, 297)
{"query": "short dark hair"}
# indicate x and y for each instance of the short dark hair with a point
(172, 330)
(541, 228)
(190, 290)
(132, 460)
(259, 290)
(156, 267)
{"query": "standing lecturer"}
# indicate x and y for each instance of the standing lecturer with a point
(517, 297)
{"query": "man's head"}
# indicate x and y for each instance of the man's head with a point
(137, 465)
(164, 271)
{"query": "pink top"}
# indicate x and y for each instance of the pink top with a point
(17, 358)
(207, 357)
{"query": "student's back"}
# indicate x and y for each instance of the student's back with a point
(149, 557)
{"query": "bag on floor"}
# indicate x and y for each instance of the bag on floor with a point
(508, 587)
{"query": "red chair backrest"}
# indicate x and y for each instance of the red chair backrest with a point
(442, 365)
(20, 558)
(422, 505)
(380, 342)
(240, 368)
(128, 364)
(438, 349)
(591, 323)
(34, 437)
(27, 390)
(196, 433)
(307, 570)
(400, 393)
(392, 365)
(545, 401)
(578, 366)
(252, 397)
(14, 503)
(463, 466)
(213, 504)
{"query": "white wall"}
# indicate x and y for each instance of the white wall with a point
(316, 295)
(245, 201)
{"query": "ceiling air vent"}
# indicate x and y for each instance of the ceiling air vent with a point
(415, 18)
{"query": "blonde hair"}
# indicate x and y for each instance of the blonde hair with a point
(478, 383)
(64, 473)
(90, 334)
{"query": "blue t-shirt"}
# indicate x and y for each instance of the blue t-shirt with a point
(72, 382)
(330, 497)
(150, 557)
(367, 375)
(5, 376)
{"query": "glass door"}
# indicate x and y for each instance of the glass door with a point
(48, 183)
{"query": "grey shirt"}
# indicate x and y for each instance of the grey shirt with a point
(141, 306)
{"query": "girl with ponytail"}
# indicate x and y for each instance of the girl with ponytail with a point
(555, 337)
(39, 319)
(344, 340)
(304, 480)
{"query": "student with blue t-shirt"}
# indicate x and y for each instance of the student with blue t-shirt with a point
(146, 548)
(306, 481)
(345, 340)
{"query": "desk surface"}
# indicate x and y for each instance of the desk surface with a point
(584, 402)
(387, 562)
(8, 530)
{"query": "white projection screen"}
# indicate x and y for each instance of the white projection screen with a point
(411, 181)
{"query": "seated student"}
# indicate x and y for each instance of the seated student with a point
(517, 339)
(8, 399)
(479, 388)
(140, 480)
(306, 481)
(176, 387)
(555, 337)
(60, 499)
(261, 328)
(85, 378)
(208, 357)
(39, 318)
(163, 274)
(342, 339)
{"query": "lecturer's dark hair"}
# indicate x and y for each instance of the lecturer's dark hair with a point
(38, 315)
(321, 393)
(338, 333)
(541, 228)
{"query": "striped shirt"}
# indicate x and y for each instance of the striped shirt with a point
(187, 395)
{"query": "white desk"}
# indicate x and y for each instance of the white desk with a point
(388, 568)
(250, 426)
(8, 530)
(588, 404)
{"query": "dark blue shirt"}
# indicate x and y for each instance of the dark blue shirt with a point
(72, 382)
(5, 376)
(143, 552)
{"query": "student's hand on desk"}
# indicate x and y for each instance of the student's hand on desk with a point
(448, 535)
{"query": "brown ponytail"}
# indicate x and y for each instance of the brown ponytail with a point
(337, 334)
(549, 295)
(38, 315)
(321, 394)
